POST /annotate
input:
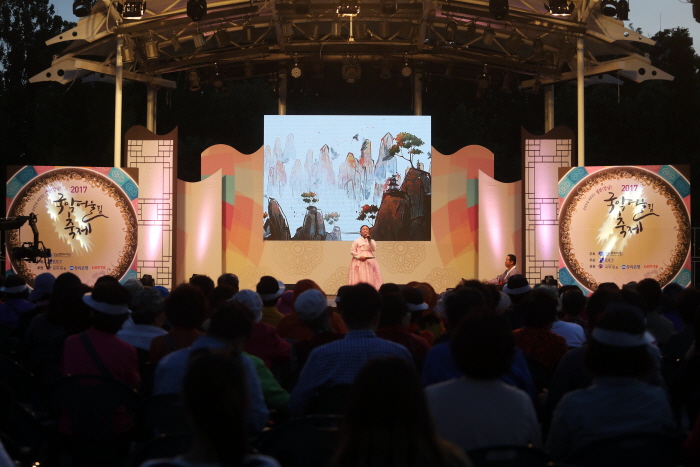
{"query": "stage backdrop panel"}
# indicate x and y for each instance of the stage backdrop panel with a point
(154, 156)
(623, 224)
(500, 224)
(542, 157)
(199, 220)
(86, 216)
(450, 254)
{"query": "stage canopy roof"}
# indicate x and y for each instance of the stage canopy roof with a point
(457, 38)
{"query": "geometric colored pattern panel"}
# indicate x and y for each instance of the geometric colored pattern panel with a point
(155, 157)
(542, 158)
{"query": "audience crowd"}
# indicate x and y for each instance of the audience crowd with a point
(403, 375)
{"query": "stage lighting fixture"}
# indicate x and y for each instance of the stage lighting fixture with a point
(128, 54)
(81, 8)
(346, 8)
(560, 7)
(406, 30)
(623, 10)
(566, 53)
(483, 82)
(222, 39)
(196, 9)
(359, 29)
(515, 41)
(389, 7)
(608, 7)
(509, 80)
(450, 31)
(193, 80)
(152, 48)
(336, 29)
(134, 9)
(384, 29)
(536, 86)
(248, 69)
(248, 29)
(351, 71)
(175, 42)
(311, 30)
(471, 32)
(302, 7)
(489, 36)
(287, 29)
(198, 39)
(385, 69)
(296, 71)
(406, 70)
(498, 9)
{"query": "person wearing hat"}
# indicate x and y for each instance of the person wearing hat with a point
(518, 289)
(293, 327)
(98, 351)
(311, 307)
(618, 402)
(263, 342)
(270, 290)
(15, 305)
(511, 270)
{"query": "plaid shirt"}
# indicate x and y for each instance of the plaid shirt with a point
(338, 363)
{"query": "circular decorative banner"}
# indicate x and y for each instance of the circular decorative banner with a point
(622, 224)
(85, 217)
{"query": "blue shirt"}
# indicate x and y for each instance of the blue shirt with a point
(439, 366)
(339, 362)
(171, 371)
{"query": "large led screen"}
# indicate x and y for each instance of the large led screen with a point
(326, 176)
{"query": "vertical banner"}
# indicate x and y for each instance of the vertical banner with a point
(623, 224)
(86, 217)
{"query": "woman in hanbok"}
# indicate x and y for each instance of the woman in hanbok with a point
(364, 266)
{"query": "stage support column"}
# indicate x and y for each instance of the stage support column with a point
(151, 101)
(118, 105)
(417, 94)
(580, 103)
(548, 108)
(282, 102)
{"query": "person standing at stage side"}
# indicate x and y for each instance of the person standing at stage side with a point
(364, 266)
(511, 270)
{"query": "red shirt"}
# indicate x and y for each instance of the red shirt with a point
(542, 344)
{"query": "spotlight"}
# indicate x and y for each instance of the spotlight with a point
(389, 7)
(198, 39)
(302, 7)
(346, 8)
(134, 9)
(222, 39)
(406, 30)
(385, 69)
(515, 41)
(608, 7)
(152, 48)
(193, 80)
(566, 53)
(483, 82)
(175, 42)
(384, 29)
(128, 50)
(82, 8)
(196, 9)
(336, 29)
(406, 70)
(312, 30)
(508, 83)
(560, 7)
(296, 71)
(351, 71)
(489, 36)
(450, 31)
(287, 29)
(359, 29)
(536, 87)
(249, 29)
(498, 8)
(471, 32)
(623, 10)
